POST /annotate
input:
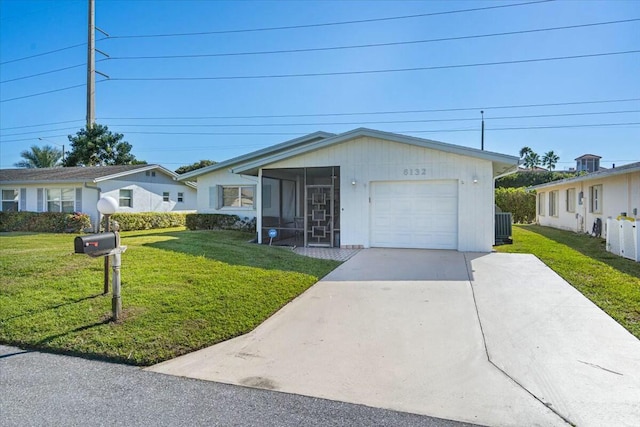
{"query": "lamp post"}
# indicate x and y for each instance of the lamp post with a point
(107, 206)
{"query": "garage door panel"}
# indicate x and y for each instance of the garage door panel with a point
(414, 214)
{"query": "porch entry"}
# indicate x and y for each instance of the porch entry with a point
(303, 205)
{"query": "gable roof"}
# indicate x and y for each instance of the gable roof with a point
(588, 156)
(315, 136)
(502, 162)
(630, 168)
(75, 174)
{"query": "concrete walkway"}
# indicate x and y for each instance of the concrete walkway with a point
(335, 254)
(400, 329)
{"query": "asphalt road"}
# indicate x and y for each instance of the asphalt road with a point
(40, 389)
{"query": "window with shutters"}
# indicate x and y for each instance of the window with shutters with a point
(595, 197)
(238, 196)
(60, 199)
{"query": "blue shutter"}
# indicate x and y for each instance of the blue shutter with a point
(23, 199)
(212, 197)
(78, 199)
(40, 205)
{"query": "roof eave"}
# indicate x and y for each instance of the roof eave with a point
(254, 154)
(142, 168)
(47, 181)
(591, 176)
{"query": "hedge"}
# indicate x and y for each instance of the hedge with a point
(45, 222)
(220, 222)
(147, 220)
(530, 178)
(520, 202)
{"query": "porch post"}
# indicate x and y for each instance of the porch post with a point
(259, 206)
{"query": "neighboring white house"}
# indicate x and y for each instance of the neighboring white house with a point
(576, 203)
(138, 188)
(359, 189)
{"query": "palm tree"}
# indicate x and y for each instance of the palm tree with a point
(550, 159)
(40, 157)
(531, 160)
(524, 151)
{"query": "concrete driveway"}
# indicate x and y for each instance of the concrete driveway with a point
(494, 339)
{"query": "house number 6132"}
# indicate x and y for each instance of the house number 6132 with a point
(416, 171)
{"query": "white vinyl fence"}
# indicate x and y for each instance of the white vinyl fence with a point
(623, 235)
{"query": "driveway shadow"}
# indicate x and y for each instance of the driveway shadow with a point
(405, 265)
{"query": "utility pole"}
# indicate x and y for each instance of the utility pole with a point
(482, 135)
(91, 66)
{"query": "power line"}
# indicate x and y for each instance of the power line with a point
(327, 24)
(441, 110)
(42, 93)
(48, 52)
(43, 73)
(362, 113)
(43, 53)
(396, 70)
(38, 131)
(290, 27)
(49, 72)
(374, 122)
(371, 45)
(399, 131)
(42, 124)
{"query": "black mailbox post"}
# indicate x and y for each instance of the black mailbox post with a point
(106, 245)
(96, 244)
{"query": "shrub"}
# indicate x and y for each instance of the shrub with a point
(147, 220)
(529, 178)
(520, 202)
(44, 222)
(220, 222)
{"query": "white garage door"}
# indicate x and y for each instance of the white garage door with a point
(414, 214)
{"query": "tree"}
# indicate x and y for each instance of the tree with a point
(40, 157)
(524, 151)
(98, 146)
(550, 159)
(531, 160)
(197, 165)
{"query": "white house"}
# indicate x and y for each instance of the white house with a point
(359, 189)
(576, 203)
(138, 188)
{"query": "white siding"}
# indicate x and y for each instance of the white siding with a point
(620, 193)
(368, 159)
(222, 178)
(147, 193)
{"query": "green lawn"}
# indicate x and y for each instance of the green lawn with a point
(610, 281)
(181, 291)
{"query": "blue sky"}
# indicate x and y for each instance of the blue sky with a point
(163, 119)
